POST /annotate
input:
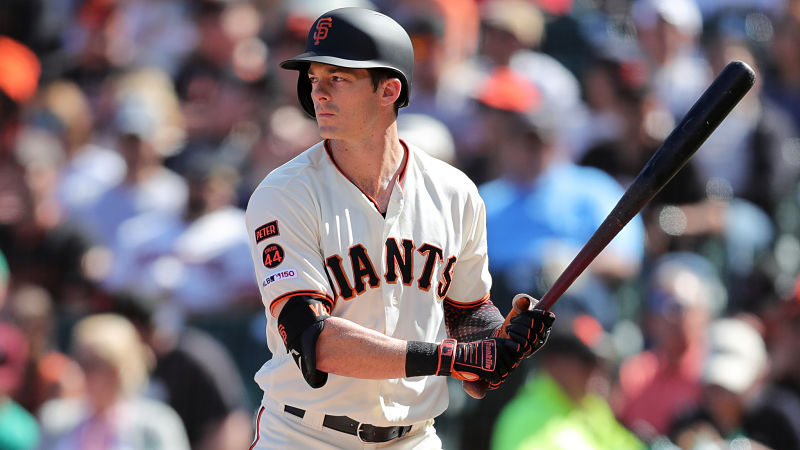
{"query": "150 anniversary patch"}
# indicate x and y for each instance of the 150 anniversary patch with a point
(278, 276)
(272, 256)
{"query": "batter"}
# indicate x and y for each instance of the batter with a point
(371, 259)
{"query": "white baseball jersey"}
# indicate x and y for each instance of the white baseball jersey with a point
(314, 232)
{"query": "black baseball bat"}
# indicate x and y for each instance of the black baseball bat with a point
(727, 89)
(706, 114)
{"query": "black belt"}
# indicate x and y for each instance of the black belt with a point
(364, 431)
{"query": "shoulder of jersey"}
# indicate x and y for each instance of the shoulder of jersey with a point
(299, 167)
(440, 170)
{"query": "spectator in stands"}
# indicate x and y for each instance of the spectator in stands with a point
(112, 413)
(18, 427)
(221, 84)
(426, 28)
(539, 211)
(148, 124)
(196, 260)
(19, 76)
(669, 32)
(89, 168)
(746, 156)
(49, 373)
(567, 414)
(189, 361)
(39, 245)
(511, 33)
(688, 211)
(542, 209)
(775, 420)
(655, 385)
(782, 85)
(43, 245)
(733, 373)
(605, 83)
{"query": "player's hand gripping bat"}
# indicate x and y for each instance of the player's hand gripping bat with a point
(702, 119)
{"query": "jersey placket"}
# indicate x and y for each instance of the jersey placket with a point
(391, 293)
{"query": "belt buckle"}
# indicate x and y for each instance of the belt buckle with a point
(358, 433)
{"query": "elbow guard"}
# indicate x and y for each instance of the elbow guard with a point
(300, 322)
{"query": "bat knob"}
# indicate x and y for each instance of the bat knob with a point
(522, 302)
(475, 389)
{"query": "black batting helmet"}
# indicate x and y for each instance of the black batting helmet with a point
(356, 38)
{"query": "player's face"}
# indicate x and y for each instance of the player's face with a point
(345, 101)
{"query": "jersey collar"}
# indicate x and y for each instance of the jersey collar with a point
(400, 178)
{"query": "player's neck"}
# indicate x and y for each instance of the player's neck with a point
(372, 162)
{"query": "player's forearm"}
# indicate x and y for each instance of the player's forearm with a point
(348, 349)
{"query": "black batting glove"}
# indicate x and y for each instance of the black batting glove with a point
(530, 329)
(490, 359)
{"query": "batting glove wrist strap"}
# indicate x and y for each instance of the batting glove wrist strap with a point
(447, 353)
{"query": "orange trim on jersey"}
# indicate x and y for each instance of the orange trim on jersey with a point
(456, 304)
(405, 165)
(310, 293)
(258, 426)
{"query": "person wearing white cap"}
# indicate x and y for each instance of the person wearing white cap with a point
(733, 373)
(737, 358)
(668, 32)
(734, 369)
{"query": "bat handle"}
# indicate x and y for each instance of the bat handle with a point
(477, 389)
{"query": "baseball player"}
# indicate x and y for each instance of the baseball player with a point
(371, 260)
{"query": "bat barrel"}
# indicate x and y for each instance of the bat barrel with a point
(706, 114)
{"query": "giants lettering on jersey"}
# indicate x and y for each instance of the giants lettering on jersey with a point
(399, 266)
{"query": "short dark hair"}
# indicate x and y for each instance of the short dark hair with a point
(379, 74)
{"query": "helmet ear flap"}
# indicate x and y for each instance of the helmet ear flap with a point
(304, 93)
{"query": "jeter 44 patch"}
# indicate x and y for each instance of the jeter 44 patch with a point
(272, 256)
(267, 231)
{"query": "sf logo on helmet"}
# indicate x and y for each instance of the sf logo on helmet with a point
(322, 29)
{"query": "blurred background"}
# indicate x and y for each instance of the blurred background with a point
(132, 133)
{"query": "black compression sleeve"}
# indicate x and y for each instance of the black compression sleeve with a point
(471, 322)
(422, 358)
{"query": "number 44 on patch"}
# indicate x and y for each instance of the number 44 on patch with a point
(272, 256)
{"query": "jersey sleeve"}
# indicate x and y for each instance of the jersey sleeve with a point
(471, 278)
(284, 244)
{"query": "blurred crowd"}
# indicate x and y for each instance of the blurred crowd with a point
(132, 133)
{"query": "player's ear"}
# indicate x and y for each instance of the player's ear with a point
(390, 91)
